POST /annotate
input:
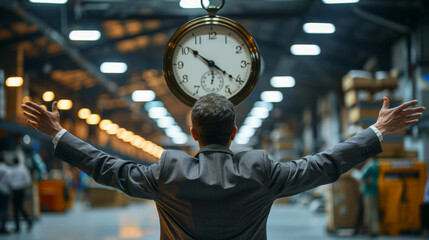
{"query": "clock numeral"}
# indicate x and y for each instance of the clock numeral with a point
(180, 64)
(184, 79)
(197, 40)
(185, 51)
(238, 79)
(227, 89)
(212, 35)
(244, 64)
(198, 88)
(238, 49)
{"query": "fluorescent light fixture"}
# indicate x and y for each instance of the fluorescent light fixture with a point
(84, 113)
(246, 131)
(113, 67)
(305, 49)
(253, 122)
(259, 112)
(48, 96)
(152, 104)
(65, 104)
(173, 131)
(282, 82)
(242, 140)
(165, 122)
(193, 3)
(267, 105)
(105, 124)
(180, 138)
(143, 96)
(320, 28)
(50, 1)
(271, 96)
(93, 119)
(113, 129)
(84, 35)
(157, 112)
(14, 82)
(339, 1)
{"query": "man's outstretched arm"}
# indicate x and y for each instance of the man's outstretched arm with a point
(293, 177)
(134, 179)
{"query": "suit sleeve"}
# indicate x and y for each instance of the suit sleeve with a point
(289, 178)
(134, 179)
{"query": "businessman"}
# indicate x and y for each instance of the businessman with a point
(217, 194)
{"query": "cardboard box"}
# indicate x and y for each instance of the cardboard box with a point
(356, 79)
(352, 97)
(357, 113)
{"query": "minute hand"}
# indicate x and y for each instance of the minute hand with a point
(210, 63)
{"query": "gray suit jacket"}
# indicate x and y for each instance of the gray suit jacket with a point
(217, 194)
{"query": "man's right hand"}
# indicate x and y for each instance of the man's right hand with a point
(391, 120)
(43, 121)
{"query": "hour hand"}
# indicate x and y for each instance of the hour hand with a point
(196, 54)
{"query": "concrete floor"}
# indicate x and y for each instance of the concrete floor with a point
(140, 221)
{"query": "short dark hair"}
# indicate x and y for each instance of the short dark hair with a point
(213, 119)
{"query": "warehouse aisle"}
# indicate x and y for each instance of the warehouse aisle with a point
(140, 221)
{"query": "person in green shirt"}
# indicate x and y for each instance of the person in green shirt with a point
(370, 196)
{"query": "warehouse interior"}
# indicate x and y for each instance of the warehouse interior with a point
(303, 103)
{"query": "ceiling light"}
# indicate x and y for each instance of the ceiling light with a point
(65, 104)
(137, 140)
(305, 49)
(14, 82)
(48, 96)
(143, 96)
(271, 96)
(50, 1)
(267, 105)
(128, 136)
(84, 113)
(193, 3)
(121, 133)
(113, 67)
(242, 139)
(246, 131)
(157, 112)
(165, 122)
(181, 138)
(93, 119)
(253, 122)
(339, 1)
(173, 131)
(152, 104)
(84, 35)
(105, 124)
(282, 82)
(259, 112)
(322, 28)
(113, 129)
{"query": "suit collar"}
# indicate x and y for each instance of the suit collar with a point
(215, 148)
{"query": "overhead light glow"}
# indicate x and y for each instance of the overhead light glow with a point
(65, 104)
(242, 140)
(84, 113)
(193, 3)
(173, 131)
(267, 105)
(84, 35)
(165, 122)
(137, 141)
(246, 131)
(282, 82)
(128, 136)
(180, 138)
(14, 82)
(113, 129)
(339, 1)
(143, 96)
(50, 1)
(259, 112)
(113, 67)
(93, 119)
(105, 124)
(48, 96)
(152, 104)
(271, 96)
(305, 49)
(121, 133)
(253, 122)
(319, 28)
(157, 112)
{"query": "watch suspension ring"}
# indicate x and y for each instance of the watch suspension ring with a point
(212, 9)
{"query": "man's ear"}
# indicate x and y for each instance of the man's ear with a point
(194, 134)
(234, 132)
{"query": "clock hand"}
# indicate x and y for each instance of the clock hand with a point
(212, 78)
(210, 63)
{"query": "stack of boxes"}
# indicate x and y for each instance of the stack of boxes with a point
(283, 142)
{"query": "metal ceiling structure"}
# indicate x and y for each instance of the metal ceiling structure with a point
(136, 32)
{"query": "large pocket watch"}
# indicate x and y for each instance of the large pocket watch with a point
(211, 54)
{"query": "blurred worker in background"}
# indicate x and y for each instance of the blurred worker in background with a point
(19, 178)
(4, 196)
(370, 196)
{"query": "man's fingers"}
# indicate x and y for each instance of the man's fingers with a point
(31, 116)
(385, 102)
(35, 106)
(414, 110)
(408, 104)
(54, 106)
(408, 123)
(32, 123)
(30, 110)
(414, 116)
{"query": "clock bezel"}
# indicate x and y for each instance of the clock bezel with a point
(206, 20)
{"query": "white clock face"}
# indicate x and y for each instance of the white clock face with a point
(211, 59)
